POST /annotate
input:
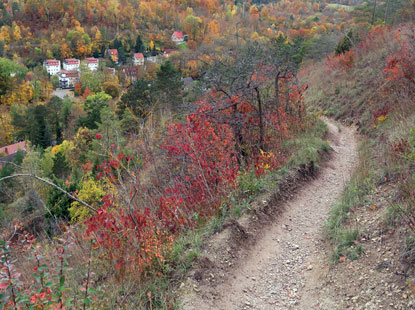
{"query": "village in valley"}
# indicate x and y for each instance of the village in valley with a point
(68, 71)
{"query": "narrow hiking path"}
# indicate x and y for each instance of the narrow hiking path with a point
(283, 268)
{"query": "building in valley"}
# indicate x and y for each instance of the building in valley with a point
(71, 64)
(52, 66)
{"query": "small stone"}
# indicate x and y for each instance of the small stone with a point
(310, 267)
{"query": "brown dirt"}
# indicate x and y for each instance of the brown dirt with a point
(274, 257)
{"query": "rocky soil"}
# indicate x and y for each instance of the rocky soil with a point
(276, 263)
(277, 256)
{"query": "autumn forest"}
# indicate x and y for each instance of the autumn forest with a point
(131, 131)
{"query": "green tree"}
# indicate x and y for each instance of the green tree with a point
(122, 57)
(93, 106)
(347, 42)
(137, 99)
(40, 134)
(139, 45)
(168, 86)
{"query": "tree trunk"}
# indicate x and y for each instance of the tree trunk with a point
(374, 12)
(261, 121)
(386, 11)
(277, 93)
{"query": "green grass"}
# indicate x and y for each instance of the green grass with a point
(340, 6)
(308, 147)
(345, 240)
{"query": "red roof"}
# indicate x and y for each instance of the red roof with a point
(72, 61)
(113, 52)
(52, 62)
(73, 73)
(91, 60)
(169, 51)
(130, 71)
(13, 148)
(178, 34)
(138, 55)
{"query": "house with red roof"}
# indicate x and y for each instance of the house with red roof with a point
(68, 79)
(8, 152)
(52, 66)
(71, 64)
(178, 37)
(92, 63)
(138, 59)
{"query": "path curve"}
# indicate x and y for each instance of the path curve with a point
(283, 267)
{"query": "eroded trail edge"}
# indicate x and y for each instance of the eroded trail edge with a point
(281, 268)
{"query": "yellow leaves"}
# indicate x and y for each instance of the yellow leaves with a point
(98, 35)
(91, 192)
(151, 45)
(5, 34)
(381, 119)
(255, 36)
(20, 93)
(16, 33)
(254, 11)
(56, 149)
(114, 58)
(6, 128)
(65, 51)
(214, 26)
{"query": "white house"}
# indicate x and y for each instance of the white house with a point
(152, 59)
(178, 37)
(71, 64)
(138, 59)
(68, 79)
(92, 63)
(52, 66)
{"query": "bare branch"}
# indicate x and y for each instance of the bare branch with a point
(50, 184)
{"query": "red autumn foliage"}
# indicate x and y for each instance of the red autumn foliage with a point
(342, 62)
(200, 170)
(401, 65)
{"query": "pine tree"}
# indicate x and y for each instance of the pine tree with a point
(169, 86)
(139, 46)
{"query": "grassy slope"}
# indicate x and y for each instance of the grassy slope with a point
(355, 96)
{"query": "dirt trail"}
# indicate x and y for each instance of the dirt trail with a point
(282, 269)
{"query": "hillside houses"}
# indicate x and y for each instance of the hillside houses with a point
(8, 152)
(71, 64)
(138, 59)
(92, 63)
(68, 79)
(178, 37)
(52, 66)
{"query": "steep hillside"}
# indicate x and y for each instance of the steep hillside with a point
(371, 228)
